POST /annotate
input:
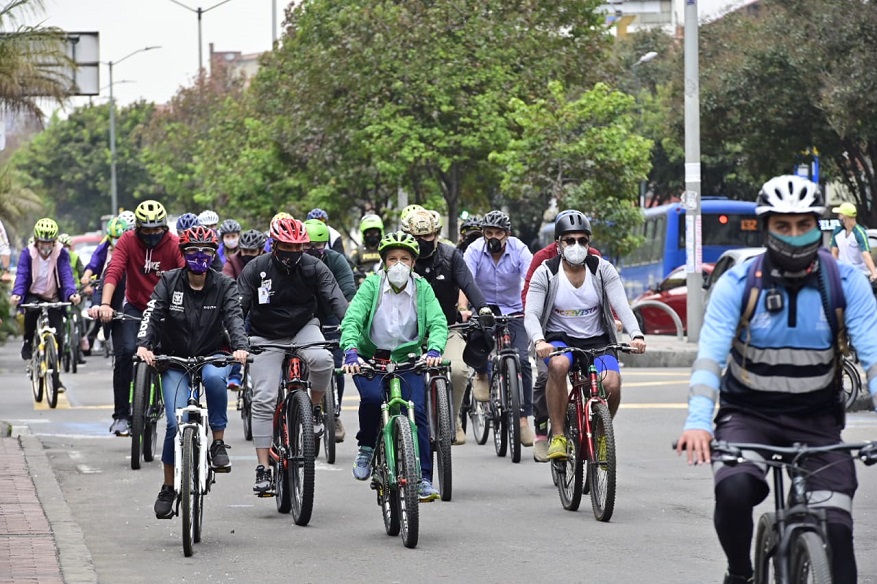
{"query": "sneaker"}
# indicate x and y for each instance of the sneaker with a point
(164, 504)
(362, 463)
(730, 579)
(526, 434)
(27, 350)
(262, 486)
(340, 433)
(427, 491)
(233, 383)
(318, 421)
(120, 427)
(460, 435)
(481, 387)
(557, 449)
(540, 449)
(219, 457)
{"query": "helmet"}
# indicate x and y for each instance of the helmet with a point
(471, 224)
(198, 236)
(371, 221)
(45, 230)
(497, 219)
(398, 240)
(438, 220)
(150, 214)
(187, 220)
(407, 211)
(252, 239)
(318, 214)
(569, 221)
(208, 217)
(789, 194)
(479, 344)
(317, 230)
(116, 227)
(280, 215)
(64, 239)
(289, 230)
(129, 219)
(229, 226)
(420, 223)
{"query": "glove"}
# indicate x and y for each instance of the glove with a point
(433, 354)
(351, 357)
(485, 316)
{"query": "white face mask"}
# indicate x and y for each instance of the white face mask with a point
(231, 242)
(575, 254)
(398, 275)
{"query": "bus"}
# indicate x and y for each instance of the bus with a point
(725, 224)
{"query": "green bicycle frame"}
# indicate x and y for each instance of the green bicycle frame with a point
(391, 409)
(153, 387)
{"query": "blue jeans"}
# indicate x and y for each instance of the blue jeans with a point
(371, 395)
(175, 389)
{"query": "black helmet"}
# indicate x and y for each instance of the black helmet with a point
(472, 223)
(497, 219)
(570, 221)
(229, 226)
(479, 344)
(253, 239)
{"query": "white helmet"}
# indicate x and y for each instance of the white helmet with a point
(789, 194)
(209, 218)
(129, 219)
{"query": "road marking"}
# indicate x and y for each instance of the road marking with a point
(63, 404)
(651, 383)
(85, 469)
(74, 436)
(655, 406)
(29, 421)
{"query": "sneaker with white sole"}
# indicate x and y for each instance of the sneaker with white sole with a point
(540, 449)
(362, 463)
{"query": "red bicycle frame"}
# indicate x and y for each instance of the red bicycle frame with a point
(576, 395)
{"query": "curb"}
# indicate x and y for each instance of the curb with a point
(661, 358)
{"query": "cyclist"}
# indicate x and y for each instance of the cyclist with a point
(44, 275)
(365, 258)
(75, 263)
(470, 230)
(114, 230)
(140, 257)
(189, 314)
(569, 304)
(209, 219)
(396, 311)
(443, 267)
(96, 267)
(252, 245)
(499, 263)
(280, 293)
(849, 242)
(781, 384)
(230, 238)
(335, 241)
(318, 233)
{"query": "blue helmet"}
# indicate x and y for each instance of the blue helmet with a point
(318, 214)
(187, 220)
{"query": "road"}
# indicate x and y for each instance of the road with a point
(505, 523)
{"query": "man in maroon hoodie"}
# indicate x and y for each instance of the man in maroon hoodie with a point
(140, 257)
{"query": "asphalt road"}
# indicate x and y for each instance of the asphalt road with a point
(505, 523)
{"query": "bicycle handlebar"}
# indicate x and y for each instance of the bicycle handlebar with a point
(732, 452)
(292, 347)
(370, 368)
(623, 347)
(41, 305)
(194, 361)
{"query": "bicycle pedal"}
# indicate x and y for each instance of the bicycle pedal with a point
(265, 495)
(221, 469)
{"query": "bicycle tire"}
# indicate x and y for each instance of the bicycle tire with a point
(53, 376)
(65, 358)
(602, 471)
(154, 413)
(75, 349)
(329, 423)
(247, 410)
(198, 499)
(480, 425)
(851, 383)
(388, 498)
(407, 482)
(187, 491)
(498, 419)
(809, 561)
(765, 549)
(570, 472)
(139, 392)
(37, 380)
(282, 492)
(446, 428)
(512, 391)
(301, 461)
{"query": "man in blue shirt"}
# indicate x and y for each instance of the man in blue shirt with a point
(499, 264)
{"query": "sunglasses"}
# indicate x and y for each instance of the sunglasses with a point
(191, 251)
(583, 241)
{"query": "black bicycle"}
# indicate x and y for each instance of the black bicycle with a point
(440, 416)
(147, 409)
(244, 403)
(474, 410)
(504, 407)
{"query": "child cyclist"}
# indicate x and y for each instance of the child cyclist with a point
(394, 310)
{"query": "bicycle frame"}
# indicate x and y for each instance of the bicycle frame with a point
(197, 418)
(390, 409)
(596, 395)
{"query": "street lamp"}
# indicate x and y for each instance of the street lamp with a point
(114, 187)
(199, 11)
(644, 59)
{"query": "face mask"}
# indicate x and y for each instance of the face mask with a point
(198, 263)
(231, 243)
(45, 249)
(793, 253)
(287, 259)
(426, 248)
(494, 245)
(575, 254)
(317, 253)
(372, 240)
(246, 258)
(398, 275)
(150, 240)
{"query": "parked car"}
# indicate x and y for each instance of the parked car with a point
(726, 261)
(672, 291)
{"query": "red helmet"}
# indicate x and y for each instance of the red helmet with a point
(289, 230)
(198, 236)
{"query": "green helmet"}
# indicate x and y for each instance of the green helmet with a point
(407, 211)
(398, 240)
(64, 239)
(371, 221)
(45, 230)
(317, 231)
(116, 227)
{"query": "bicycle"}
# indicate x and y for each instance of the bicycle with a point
(147, 409)
(791, 543)
(472, 409)
(244, 403)
(293, 448)
(851, 381)
(73, 335)
(442, 430)
(331, 407)
(395, 465)
(193, 474)
(504, 407)
(590, 437)
(43, 369)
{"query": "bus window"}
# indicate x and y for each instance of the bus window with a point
(657, 242)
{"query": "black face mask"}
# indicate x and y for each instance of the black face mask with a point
(317, 253)
(287, 259)
(791, 259)
(426, 248)
(372, 240)
(152, 239)
(246, 258)
(494, 245)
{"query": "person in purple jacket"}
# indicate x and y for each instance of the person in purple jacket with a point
(44, 275)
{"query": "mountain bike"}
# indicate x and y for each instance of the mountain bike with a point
(147, 409)
(504, 407)
(293, 448)
(73, 335)
(43, 369)
(442, 429)
(244, 403)
(472, 409)
(590, 437)
(791, 542)
(193, 474)
(331, 407)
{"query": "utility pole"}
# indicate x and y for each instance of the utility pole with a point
(691, 197)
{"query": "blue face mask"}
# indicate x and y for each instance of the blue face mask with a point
(199, 262)
(802, 240)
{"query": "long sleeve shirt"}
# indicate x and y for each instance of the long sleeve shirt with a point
(501, 281)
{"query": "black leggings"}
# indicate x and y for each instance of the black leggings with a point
(56, 320)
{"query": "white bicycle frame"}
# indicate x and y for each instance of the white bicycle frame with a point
(201, 436)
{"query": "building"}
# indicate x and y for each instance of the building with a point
(245, 65)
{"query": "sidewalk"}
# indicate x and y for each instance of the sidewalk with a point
(663, 351)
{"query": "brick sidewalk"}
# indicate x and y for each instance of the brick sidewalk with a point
(27, 545)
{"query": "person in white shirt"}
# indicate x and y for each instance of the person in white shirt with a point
(849, 242)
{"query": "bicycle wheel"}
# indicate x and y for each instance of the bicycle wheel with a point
(282, 491)
(498, 419)
(37, 378)
(187, 488)
(512, 405)
(65, 357)
(570, 472)
(198, 495)
(809, 560)
(247, 410)
(446, 428)
(601, 471)
(301, 459)
(851, 383)
(53, 376)
(154, 413)
(765, 549)
(407, 482)
(388, 497)
(480, 422)
(75, 348)
(329, 422)
(139, 398)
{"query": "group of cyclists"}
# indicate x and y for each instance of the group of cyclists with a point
(217, 288)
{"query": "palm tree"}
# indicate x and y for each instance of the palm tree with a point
(17, 203)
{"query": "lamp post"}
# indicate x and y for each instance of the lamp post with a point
(644, 59)
(691, 199)
(200, 11)
(273, 22)
(114, 187)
